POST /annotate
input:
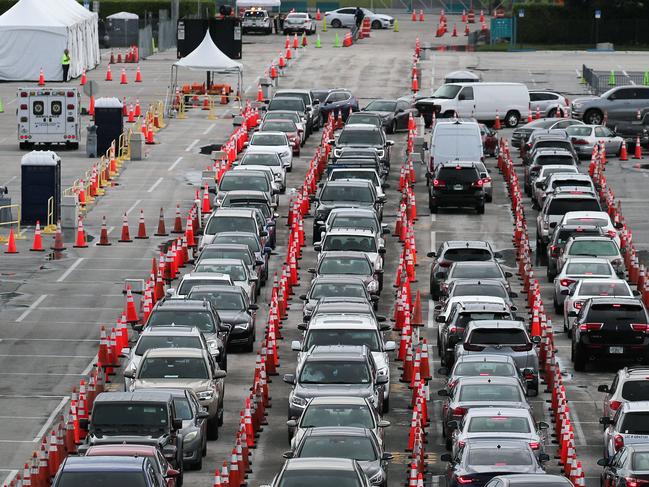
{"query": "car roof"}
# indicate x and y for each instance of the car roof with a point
(545, 151)
(494, 380)
(292, 90)
(218, 289)
(484, 306)
(248, 193)
(496, 411)
(347, 231)
(327, 321)
(482, 282)
(320, 464)
(485, 357)
(497, 324)
(361, 126)
(229, 246)
(591, 237)
(475, 263)
(340, 352)
(338, 279)
(604, 280)
(183, 304)
(358, 183)
(633, 370)
(181, 352)
(112, 463)
(217, 276)
(509, 443)
(598, 260)
(587, 214)
(628, 300)
(232, 212)
(170, 330)
(342, 400)
(245, 172)
(222, 260)
(635, 406)
(120, 450)
(577, 226)
(567, 175)
(569, 195)
(337, 254)
(467, 244)
(339, 431)
(139, 395)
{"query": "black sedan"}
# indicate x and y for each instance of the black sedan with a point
(394, 113)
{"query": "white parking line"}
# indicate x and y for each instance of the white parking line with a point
(208, 129)
(74, 265)
(133, 206)
(50, 419)
(579, 432)
(171, 168)
(10, 477)
(154, 185)
(31, 308)
(192, 145)
(431, 311)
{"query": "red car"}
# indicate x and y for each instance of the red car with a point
(131, 450)
(489, 140)
(289, 128)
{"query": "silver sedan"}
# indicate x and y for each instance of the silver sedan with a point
(575, 269)
(584, 137)
(345, 17)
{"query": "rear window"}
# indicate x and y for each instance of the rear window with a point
(561, 206)
(641, 461)
(595, 248)
(554, 159)
(200, 319)
(366, 175)
(616, 313)
(458, 174)
(152, 341)
(221, 224)
(636, 390)
(226, 254)
(360, 137)
(499, 457)
(598, 222)
(498, 424)
(473, 369)
(635, 423)
(355, 222)
(604, 289)
(173, 368)
(559, 144)
(499, 336)
(467, 254)
(292, 104)
(564, 235)
(353, 243)
(347, 193)
(262, 138)
(244, 182)
(326, 290)
(586, 268)
(464, 318)
(476, 271)
(490, 392)
(98, 478)
(479, 290)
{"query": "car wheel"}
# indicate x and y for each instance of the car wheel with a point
(593, 117)
(480, 209)
(489, 198)
(250, 346)
(376, 24)
(336, 24)
(578, 359)
(198, 464)
(393, 127)
(558, 309)
(386, 404)
(552, 113)
(213, 428)
(512, 118)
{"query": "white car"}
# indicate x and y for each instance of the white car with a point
(597, 218)
(237, 270)
(273, 141)
(299, 22)
(541, 184)
(268, 159)
(256, 20)
(577, 268)
(276, 179)
(346, 17)
(368, 174)
(192, 279)
(591, 288)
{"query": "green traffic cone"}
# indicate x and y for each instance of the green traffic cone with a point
(645, 79)
(317, 42)
(396, 25)
(2, 106)
(324, 24)
(337, 41)
(611, 79)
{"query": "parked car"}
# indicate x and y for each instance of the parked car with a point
(256, 20)
(338, 102)
(394, 113)
(630, 131)
(481, 365)
(618, 103)
(562, 234)
(456, 184)
(547, 103)
(630, 384)
(576, 269)
(314, 119)
(299, 22)
(628, 427)
(159, 463)
(484, 271)
(345, 17)
(289, 128)
(333, 286)
(236, 269)
(520, 135)
(346, 263)
(278, 142)
(593, 246)
(312, 471)
(585, 137)
(629, 465)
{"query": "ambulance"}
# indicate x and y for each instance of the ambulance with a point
(48, 116)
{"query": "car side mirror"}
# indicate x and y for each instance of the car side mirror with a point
(382, 379)
(291, 423)
(513, 308)
(446, 457)
(287, 454)
(177, 423)
(202, 414)
(381, 318)
(461, 97)
(129, 373)
(572, 314)
(543, 425)
(513, 295)
(498, 255)
(389, 143)
(442, 393)
(170, 292)
(289, 379)
(316, 102)
(385, 327)
(618, 225)
(602, 462)
(453, 424)
(636, 293)
(544, 457)
(536, 340)
(385, 231)
(296, 346)
(605, 420)
(253, 307)
(311, 270)
(317, 247)
(509, 274)
(553, 224)
(374, 298)
(303, 297)
(383, 423)
(440, 319)
(382, 251)
(246, 144)
(220, 374)
(602, 388)
(331, 142)
(301, 326)
(386, 457)
(390, 346)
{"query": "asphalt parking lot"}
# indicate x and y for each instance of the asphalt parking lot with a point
(52, 308)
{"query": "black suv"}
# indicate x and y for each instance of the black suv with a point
(456, 184)
(610, 328)
(559, 239)
(363, 136)
(145, 417)
(198, 314)
(457, 251)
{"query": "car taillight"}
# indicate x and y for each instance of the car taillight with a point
(522, 348)
(579, 142)
(554, 250)
(463, 479)
(535, 445)
(473, 348)
(444, 264)
(478, 184)
(614, 405)
(458, 411)
(23, 94)
(591, 326)
(23, 106)
(643, 327)
(70, 94)
(438, 183)
(618, 442)
(633, 482)
(452, 384)
(528, 375)
(611, 233)
(566, 282)
(578, 304)
(461, 444)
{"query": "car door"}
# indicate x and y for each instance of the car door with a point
(620, 104)
(610, 142)
(402, 115)
(466, 103)
(346, 16)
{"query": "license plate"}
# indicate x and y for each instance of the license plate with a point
(615, 349)
(457, 187)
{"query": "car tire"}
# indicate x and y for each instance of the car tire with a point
(480, 209)
(448, 443)
(552, 113)
(578, 358)
(558, 309)
(336, 24)
(376, 25)
(512, 119)
(393, 127)
(386, 404)
(213, 428)
(593, 117)
(488, 198)
(198, 464)
(250, 346)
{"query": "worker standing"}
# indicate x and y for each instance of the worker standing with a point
(65, 64)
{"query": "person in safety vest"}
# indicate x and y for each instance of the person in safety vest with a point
(65, 64)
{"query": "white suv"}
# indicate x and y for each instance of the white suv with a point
(631, 384)
(256, 20)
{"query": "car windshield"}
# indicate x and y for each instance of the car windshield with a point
(589, 288)
(561, 206)
(355, 243)
(598, 222)
(147, 342)
(98, 478)
(318, 478)
(474, 369)
(579, 130)
(447, 91)
(221, 301)
(261, 159)
(347, 193)
(199, 319)
(635, 423)
(183, 409)
(499, 336)
(277, 115)
(173, 368)
(489, 270)
(343, 174)
(595, 248)
(588, 268)
(636, 390)
(498, 457)
(362, 118)
(381, 106)
(499, 424)
(226, 254)
(245, 182)
(250, 240)
(546, 160)
(334, 372)
(617, 312)
(236, 272)
(360, 137)
(558, 144)
(345, 265)
(262, 138)
(293, 104)
(358, 448)
(482, 289)
(130, 414)
(467, 254)
(360, 222)
(187, 284)
(339, 289)
(325, 415)
(464, 318)
(279, 126)
(222, 223)
(563, 235)
(490, 393)
(370, 338)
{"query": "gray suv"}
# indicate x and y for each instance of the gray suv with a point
(619, 103)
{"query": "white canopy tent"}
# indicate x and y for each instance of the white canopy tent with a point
(258, 3)
(34, 33)
(209, 58)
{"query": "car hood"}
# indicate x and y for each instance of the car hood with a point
(494, 404)
(268, 148)
(95, 439)
(194, 385)
(583, 99)
(322, 390)
(233, 317)
(490, 469)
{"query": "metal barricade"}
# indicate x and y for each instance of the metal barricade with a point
(11, 223)
(50, 226)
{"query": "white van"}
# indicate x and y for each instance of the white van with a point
(455, 140)
(482, 101)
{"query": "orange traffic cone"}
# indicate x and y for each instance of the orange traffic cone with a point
(421, 16)
(637, 153)
(454, 34)
(37, 246)
(58, 244)
(162, 231)
(91, 106)
(131, 312)
(11, 243)
(103, 235)
(624, 156)
(138, 108)
(178, 222)
(109, 74)
(81, 242)
(83, 77)
(124, 107)
(141, 228)
(414, 16)
(296, 43)
(415, 84)
(41, 78)
(260, 94)
(131, 114)
(206, 207)
(467, 31)
(416, 312)
(123, 80)
(126, 237)
(138, 75)
(318, 15)
(529, 116)
(497, 122)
